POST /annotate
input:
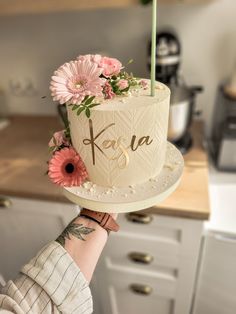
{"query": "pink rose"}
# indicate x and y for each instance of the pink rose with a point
(58, 139)
(93, 58)
(107, 90)
(143, 84)
(110, 66)
(122, 84)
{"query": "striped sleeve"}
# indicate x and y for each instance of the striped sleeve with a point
(50, 283)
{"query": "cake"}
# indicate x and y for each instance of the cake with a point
(117, 131)
(124, 141)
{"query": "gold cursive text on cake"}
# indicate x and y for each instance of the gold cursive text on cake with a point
(118, 146)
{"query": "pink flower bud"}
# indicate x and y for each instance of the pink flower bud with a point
(58, 139)
(122, 84)
(107, 90)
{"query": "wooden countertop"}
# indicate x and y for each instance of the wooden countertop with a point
(24, 153)
(16, 7)
(191, 198)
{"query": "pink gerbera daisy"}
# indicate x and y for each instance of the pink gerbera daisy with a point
(75, 80)
(66, 168)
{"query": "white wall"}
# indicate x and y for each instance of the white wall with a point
(31, 47)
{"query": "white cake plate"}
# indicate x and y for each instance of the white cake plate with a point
(133, 197)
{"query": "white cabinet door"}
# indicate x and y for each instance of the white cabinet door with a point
(129, 291)
(156, 254)
(216, 291)
(25, 227)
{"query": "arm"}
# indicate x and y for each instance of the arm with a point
(56, 279)
(84, 240)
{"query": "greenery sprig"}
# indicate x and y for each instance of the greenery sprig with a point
(85, 106)
(111, 88)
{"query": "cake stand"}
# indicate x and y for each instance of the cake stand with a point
(133, 197)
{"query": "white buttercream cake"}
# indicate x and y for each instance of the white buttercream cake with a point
(124, 140)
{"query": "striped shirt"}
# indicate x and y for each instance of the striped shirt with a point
(50, 283)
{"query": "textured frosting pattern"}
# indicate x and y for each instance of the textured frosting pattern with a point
(124, 141)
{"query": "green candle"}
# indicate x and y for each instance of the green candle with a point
(153, 55)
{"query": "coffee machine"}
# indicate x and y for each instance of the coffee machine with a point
(222, 142)
(182, 101)
(168, 57)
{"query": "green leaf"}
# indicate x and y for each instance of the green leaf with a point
(125, 89)
(87, 112)
(130, 61)
(51, 149)
(67, 133)
(113, 84)
(54, 141)
(89, 100)
(75, 107)
(85, 98)
(115, 88)
(80, 110)
(93, 105)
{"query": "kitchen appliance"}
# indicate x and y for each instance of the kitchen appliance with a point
(182, 99)
(223, 135)
(230, 86)
(3, 110)
(168, 51)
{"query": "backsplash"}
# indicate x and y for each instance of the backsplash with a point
(32, 47)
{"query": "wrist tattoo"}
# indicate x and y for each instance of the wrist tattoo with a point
(75, 229)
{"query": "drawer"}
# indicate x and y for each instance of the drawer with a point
(142, 254)
(67, 211)
(179, 236)
(135, 294)
(150, 225)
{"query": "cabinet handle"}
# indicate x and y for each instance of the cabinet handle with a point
(140, 289)
(225, 238)
(5, 202)
(139, 218)
(141, 258)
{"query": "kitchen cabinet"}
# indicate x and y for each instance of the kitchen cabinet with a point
(15, 7)
(25, 227)
(216, 288)
(149, 266)
(45, 6)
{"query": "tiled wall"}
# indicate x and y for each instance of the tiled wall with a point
(31, 47)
